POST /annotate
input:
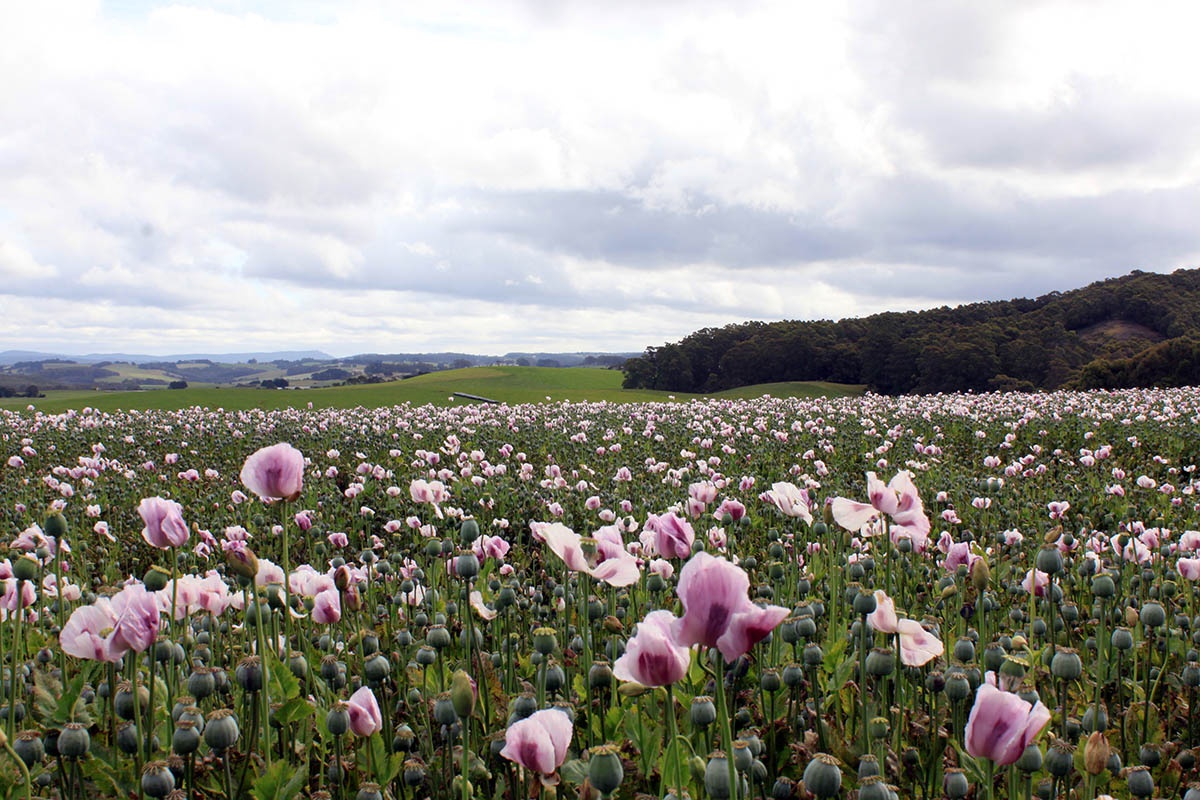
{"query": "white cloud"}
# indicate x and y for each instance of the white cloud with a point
(203, 174)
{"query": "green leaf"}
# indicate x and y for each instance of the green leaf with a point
(284, 685)
(280, 782)
(574, 772)
(294, 710)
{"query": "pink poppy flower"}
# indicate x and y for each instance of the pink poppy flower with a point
(327, 607)
(88, 631)
(136, 619)
(668, 535)
(1002, 725)
(717, 610)
(653, 657)
(539, 742)
(790, 500)
(275, 472)
(165, 527)
(1189, 568)
(365, 717)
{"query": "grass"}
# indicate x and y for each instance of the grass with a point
(506, 384)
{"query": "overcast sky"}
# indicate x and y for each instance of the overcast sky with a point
(542, 175)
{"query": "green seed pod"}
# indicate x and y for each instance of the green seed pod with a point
(1103, 586)
(338, 719)
(221, 729)
(438, 637)
(873, 788)
(1060, 759)
(1050, 560)
(1140, 782)
(186, 737)
(770, 681)
(600, 675)
(716, 776)
(813, 655)
(468, 532)
(249, 674)
(25, 568)
(1153, 615)
(157, 779)
(1030, 760)
(74, 741)
(702, 711)
(1067, 665)
(443, 709)
(881, 661)
(377, 668)
(823, 776)
(545, 640)
(1122, 638)
(864, 603)
(955, 783)
(605, 771)
(29, 747)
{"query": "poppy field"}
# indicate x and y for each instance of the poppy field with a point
(989, 596)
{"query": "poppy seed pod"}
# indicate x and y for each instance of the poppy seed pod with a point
(1122, 639)
(157, 779)
(221, 729)
(25, 568)
(1066, 665)
(1030, 760)
(338, 719)
(1050, 560)
(29, 747)
(249, 674)
(716, 776)
(74, 741)
(702, 711)
(873, 788)
(1140, 782)
(186, 737)
(1060, 759)
(605, 771)
(1153, 615)
(955, 783)
(823, 776)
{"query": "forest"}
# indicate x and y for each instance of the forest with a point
(1141, 329)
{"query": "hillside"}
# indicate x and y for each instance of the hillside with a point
(1089, 337)
(504, 384)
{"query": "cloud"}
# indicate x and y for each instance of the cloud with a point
(607, 175)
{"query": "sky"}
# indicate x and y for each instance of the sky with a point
(560, 175)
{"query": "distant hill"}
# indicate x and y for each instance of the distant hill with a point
(14, 356)
(1141, 329)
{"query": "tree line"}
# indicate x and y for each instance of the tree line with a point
(1122, 331)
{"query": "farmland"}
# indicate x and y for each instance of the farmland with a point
(785, 595)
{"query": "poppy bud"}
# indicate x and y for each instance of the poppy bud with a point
(463, 693)
(1096, 753)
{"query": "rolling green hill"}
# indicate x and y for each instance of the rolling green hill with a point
(505, 384)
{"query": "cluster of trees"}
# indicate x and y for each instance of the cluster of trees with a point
(1175, 362)
(13, 391)
(1048, 342)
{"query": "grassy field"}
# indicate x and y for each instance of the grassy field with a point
(506, 384)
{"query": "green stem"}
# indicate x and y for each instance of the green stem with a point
(725, 722)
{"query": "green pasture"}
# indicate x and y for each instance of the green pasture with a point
(505, 384)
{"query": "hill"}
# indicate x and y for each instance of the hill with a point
(1089, 337)
(503, 384)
